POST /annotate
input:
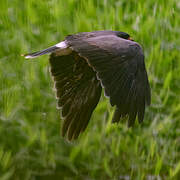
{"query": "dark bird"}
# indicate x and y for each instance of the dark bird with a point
(84, 63)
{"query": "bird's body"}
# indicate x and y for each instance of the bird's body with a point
(84, 63)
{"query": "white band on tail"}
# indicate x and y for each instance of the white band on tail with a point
(61, 45)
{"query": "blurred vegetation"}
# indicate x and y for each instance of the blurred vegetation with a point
(30, 143)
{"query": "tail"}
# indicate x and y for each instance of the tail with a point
(61, 45)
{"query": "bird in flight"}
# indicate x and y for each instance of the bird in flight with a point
(84, 63)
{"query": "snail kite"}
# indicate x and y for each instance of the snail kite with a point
(84, 63)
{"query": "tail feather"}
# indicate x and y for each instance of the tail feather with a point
(39, 53)
(61, 45)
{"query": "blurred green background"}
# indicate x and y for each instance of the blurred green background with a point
(30, 143)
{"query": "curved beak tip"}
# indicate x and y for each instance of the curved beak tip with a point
(130, 38)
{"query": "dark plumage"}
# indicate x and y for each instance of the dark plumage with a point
(84, 63)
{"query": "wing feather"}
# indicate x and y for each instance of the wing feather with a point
(120, 67)
(77, 89)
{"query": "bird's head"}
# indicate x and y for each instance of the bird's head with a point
(124, 35)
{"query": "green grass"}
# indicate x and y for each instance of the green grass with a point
(30, 143)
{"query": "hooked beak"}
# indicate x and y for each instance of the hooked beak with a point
(129, 38)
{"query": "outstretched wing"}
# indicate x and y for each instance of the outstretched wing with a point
(120, 67)
(77, 90)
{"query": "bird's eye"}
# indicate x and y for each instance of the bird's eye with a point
(123, 35)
